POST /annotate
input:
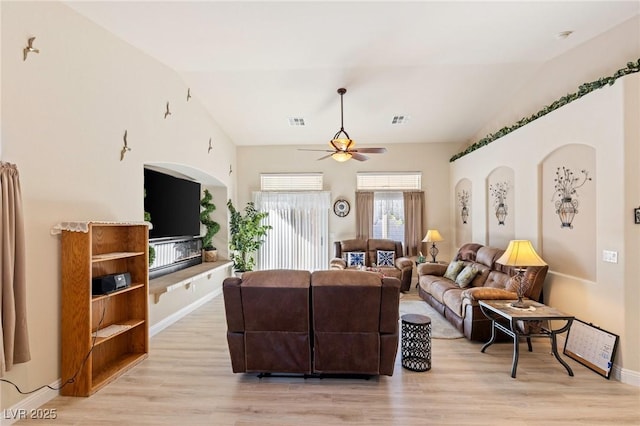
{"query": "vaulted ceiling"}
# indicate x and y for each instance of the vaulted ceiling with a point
(449, 66)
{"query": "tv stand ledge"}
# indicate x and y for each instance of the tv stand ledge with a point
(184, 277)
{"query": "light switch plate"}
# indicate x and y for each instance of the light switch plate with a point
(609, 256)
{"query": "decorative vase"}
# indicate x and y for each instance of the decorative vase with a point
(464, 214)
(566, 210)
(501, 213)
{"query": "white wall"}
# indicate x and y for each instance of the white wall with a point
(64, 113)
(598, 121)
(340, 178)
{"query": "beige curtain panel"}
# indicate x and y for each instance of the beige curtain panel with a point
(413, 220)
(14, 345)
(364, 214)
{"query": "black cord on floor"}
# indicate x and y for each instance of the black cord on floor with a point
(72, 379)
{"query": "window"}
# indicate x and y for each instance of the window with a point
(389, 181)
(299, 215)
(388, 215)
(391, 206)
(291, 182)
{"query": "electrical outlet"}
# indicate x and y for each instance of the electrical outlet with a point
(609, 256)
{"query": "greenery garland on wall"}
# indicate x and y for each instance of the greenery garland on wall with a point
(632, 67)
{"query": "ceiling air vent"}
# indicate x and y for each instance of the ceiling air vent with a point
(296, 121)
(400, 119)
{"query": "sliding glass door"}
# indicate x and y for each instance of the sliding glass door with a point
(300, 233)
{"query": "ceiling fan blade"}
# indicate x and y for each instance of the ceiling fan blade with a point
(371, 150)
(316, 150)
(358, 156)
(325, 157)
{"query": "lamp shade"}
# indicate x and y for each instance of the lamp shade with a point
(341, 156)
(520, 253)
(432, 236)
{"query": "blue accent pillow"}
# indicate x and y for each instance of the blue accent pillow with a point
(385, 258)
(355, 258)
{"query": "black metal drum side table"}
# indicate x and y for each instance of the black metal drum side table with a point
(416, 342)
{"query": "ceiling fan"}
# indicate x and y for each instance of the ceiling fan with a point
(343, 147)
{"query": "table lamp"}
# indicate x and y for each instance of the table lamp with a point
(520, 254)
(432, 237)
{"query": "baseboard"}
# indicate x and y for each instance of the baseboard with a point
(629, 377)
(178, 315)
(25, 408)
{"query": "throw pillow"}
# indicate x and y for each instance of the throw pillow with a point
(355, 258)
(385, 258)
(467, 275)
(453, 270)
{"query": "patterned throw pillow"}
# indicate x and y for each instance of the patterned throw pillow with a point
(467, 275)
(385, 258)
(355, 258)
(453, 270)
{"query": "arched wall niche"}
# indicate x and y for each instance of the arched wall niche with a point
(500, 204)
(219, 193)
(568, 191)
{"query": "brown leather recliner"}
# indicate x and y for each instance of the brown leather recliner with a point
(348, 340)
(268, 321)
(284, 321)
(402, 266)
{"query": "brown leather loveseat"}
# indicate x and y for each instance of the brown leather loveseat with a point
(459, 304)
(400, 267)
(287, 321)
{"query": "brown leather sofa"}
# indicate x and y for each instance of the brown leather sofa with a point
(460, 305)
(286, 321)
(403, 266)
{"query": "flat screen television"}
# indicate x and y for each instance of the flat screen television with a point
(173, 204)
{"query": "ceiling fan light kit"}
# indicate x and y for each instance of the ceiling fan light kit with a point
(342, 148)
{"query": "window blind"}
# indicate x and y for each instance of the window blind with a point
(291, 182)
(389, 181)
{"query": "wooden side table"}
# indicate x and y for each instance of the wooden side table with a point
(505, 318)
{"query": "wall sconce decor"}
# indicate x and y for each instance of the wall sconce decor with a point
(463, 199)
(499, 193)
(433, 236)
(636, 216)
(566, 185)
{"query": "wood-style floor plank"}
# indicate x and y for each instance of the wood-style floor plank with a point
(187, 380)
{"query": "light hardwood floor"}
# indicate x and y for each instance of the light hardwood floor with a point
(187, 380)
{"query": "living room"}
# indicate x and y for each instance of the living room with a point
(65, 111)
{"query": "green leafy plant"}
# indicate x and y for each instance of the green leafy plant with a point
(152, 250)
(205, 218)
(583, 89)
(247, 235)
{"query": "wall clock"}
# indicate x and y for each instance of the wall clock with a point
(341, 208)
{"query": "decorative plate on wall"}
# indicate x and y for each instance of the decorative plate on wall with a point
(341, 208)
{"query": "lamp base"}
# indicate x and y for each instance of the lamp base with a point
(519, 304)
(434, 252)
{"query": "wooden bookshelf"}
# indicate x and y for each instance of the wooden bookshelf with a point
(91, 360)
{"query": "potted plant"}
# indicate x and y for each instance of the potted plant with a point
(247, 235)
(209, 251)
(152, 250)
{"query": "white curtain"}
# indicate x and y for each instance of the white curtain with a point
(299, 238)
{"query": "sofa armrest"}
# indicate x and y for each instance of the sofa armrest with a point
(337, 263)
(403, 262)
(488, 293)
(233, 304)
(432, 269)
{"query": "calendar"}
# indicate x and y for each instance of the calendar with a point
(591, 346)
